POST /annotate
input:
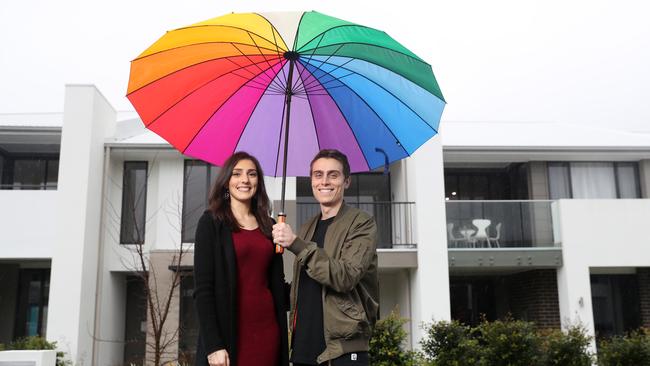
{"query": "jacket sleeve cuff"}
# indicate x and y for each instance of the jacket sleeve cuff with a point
(298, 246)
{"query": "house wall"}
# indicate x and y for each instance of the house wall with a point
(30, 221)
(88, 119)
(597, 234)
(533, 296)
(429, 282)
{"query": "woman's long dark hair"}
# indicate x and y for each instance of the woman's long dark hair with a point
(219, 203)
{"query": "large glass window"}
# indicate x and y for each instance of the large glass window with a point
(368, 191)
(509, 182)
(616, 304)
(33, 296)
(189, 325)
(593, 180)
(135, 321)
(29, 172)
(134, 201)
(627, 180)
(197, 180)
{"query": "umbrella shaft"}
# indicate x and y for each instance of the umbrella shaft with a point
(287, 101)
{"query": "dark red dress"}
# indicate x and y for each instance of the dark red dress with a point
(258, 342)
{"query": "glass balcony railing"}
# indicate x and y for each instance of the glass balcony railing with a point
(394, 221)
(500, 224)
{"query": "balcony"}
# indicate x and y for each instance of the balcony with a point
(500, 234)
(394, 221)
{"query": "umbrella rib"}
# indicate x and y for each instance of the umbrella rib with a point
(225, 26)
(197, 44)
(409, 79)
(316, 88)
(254, 75)
(215, 112)
(184, 68)
(184, 97)
(377, 46)
(372, 109)
(284, 75)
(258, 66)
(295, 38)
(311, 111)
(256, 44)
(348, 123)
(322, 34)
(251, 115)
(275, 41)
(327, 59)
(310, 56)
(277, 156)
(389, 92)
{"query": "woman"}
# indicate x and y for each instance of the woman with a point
(239, 287)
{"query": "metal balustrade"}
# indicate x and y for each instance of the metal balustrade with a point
(394, 221)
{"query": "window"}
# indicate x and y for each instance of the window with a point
(197, 180)
(135, 321)
(188, 322)
(134, 201)
(593, 180)
(509, 182)
(369, 192)
(33, 296)
(616, 304)
(23, 172)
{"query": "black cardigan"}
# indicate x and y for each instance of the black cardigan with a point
(215, 292)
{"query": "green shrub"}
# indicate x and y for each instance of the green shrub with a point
(633, 349)
(39, 343)
(450, 344)
(566, 348)
(387, 343)
(2, 347)
(509, 343)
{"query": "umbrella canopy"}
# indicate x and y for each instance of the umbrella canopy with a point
(233, 83)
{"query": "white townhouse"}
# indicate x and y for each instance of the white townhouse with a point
(544, 221)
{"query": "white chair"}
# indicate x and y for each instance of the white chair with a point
(495, 239)
(481, 231)
(453, 239)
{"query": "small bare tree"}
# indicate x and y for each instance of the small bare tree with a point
(161, 283)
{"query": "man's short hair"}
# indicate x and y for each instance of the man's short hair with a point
(333, 154)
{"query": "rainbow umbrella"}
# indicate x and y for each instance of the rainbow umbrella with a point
(233, 83)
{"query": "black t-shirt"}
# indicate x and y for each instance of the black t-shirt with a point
(308, 338)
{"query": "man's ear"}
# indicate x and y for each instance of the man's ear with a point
(346, 183)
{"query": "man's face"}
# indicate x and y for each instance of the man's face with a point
(328, 182)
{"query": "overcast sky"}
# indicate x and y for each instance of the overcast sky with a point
(585, 62)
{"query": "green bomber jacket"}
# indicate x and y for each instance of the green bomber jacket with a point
(347, 270)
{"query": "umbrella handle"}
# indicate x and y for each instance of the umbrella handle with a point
(282, 218)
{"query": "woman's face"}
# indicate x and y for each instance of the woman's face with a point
(243, 181)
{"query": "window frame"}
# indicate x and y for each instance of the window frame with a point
(8, 169)
(212, 172)
(616, 165)
(123, 240)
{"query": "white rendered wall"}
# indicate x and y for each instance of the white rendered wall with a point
(29, 223)
(598, 233)
(112, 319)
(430, 280)
(88, 118)
(395, 294)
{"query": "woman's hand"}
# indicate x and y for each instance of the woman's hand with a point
(219, 358)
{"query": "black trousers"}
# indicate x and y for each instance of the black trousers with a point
(348, 359)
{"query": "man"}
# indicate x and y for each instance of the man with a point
(334, 293)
